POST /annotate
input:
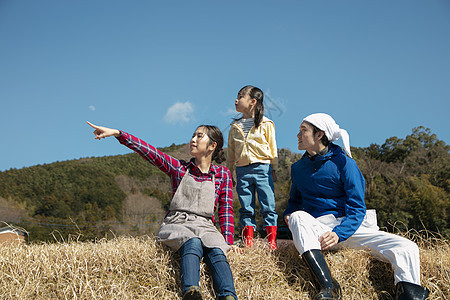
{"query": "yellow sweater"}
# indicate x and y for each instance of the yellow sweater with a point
(258, 147)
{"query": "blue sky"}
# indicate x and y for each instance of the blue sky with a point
(157, 69)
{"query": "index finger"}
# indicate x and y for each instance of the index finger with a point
(92, 125)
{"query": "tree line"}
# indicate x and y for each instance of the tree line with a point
(407, 182)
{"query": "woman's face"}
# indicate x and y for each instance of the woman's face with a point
(200, 143)
(306, 139)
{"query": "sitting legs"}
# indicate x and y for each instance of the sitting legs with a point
(328, 287)
(192, 252)
(401, 253)
(305, 232)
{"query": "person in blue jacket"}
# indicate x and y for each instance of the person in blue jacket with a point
(326, 210)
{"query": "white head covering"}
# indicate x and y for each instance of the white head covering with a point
(327, 124)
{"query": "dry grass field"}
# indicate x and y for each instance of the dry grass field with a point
(138, 268)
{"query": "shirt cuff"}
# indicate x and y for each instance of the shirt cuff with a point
(123, 136)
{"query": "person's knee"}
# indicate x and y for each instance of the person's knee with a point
(405, 245)
(409, 247)
(216, 255)
(192, 247)
(402, 248)
(299, 219)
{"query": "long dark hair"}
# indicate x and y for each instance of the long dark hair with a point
(215, 136)
(258, 95)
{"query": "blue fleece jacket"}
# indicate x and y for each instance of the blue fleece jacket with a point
(329, 184)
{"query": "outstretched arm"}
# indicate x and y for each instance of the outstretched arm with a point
(101, 132)
(164, 162)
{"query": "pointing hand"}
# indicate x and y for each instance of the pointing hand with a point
(101, 132)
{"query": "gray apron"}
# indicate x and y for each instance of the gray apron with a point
(191, 211)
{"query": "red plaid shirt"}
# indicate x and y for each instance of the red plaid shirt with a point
(176, 169)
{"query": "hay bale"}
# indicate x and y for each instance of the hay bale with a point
(139, 268)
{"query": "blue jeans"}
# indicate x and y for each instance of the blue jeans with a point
(191, 253)
(251, 180)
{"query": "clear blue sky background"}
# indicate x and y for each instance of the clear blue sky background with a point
(157, 69)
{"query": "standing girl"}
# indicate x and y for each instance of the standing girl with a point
(252, 149)
(198, 188)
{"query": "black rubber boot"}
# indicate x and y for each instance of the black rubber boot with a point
(410, 291)
(328, 287)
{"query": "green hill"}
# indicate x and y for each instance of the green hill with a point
(407, 181)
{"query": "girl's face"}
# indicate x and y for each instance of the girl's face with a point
(200, 144)
(244, 104)
(306, 138)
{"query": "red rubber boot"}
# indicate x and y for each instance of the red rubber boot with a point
(272, 236)
(247, 235)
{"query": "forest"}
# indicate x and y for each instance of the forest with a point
(407, 182)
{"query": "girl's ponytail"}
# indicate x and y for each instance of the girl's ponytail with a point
(258, 95)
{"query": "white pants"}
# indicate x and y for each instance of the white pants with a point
(402, 253)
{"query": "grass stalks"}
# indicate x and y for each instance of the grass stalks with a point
(138, 268)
